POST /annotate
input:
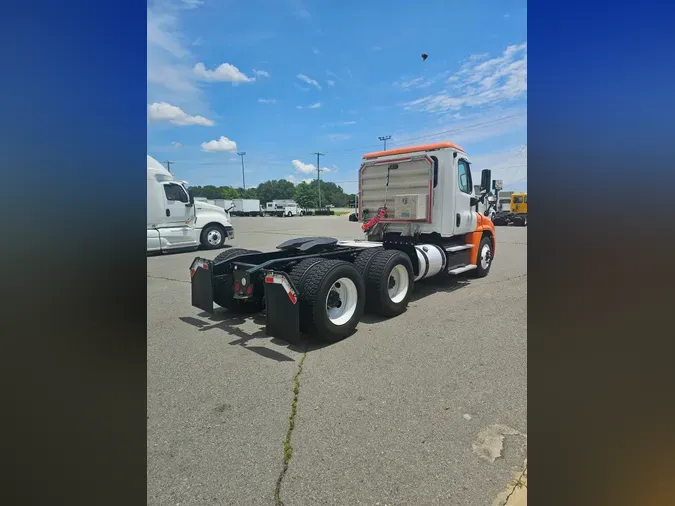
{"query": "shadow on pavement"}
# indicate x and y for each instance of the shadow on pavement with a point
(424, 288)
(229, 322)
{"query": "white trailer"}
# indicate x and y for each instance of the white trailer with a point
(224, 203)
(246, 207)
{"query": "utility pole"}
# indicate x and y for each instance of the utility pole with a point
(385, 138)
(243, 177)
(318, 173)
(168, 165)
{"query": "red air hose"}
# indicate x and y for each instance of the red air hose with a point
(372, 222)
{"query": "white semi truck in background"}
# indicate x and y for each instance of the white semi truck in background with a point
(175, 220)
(284, 207)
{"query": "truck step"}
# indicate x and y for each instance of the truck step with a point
(459, 270)
(459, 247)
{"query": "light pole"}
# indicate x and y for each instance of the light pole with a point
(318, 173)
(243, 177)
(385, 138)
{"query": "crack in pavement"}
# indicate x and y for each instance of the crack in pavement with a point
(288, 449)
(168, 279)
(518, 483)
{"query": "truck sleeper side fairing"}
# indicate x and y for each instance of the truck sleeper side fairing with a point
(321, 286)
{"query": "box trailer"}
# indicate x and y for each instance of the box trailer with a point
(246, 207)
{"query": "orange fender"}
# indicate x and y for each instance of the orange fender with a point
(483, 225)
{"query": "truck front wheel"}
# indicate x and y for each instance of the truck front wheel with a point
(332, 297)
(212, 237)
(484, 259)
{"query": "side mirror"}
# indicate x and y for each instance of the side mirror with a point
(192, 197)
(485, 178)
(473, 202)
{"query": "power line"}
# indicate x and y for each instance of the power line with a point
(454, 130)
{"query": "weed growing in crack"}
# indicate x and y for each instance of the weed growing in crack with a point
(288, 449)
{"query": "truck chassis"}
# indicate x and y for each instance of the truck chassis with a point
(321, 286)
(508, 218)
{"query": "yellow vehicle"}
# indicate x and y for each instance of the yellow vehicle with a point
(517, 213)
(519, 203)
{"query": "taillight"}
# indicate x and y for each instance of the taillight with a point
(249, 289)
(237, 286)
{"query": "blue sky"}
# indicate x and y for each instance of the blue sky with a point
(281, 79)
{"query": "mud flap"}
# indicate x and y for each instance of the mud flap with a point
(201, 274)
(282, 305)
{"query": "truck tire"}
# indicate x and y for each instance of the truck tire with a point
(389, 280)
(225, 298)
(212, 237)
(484, 259)
(331, 296)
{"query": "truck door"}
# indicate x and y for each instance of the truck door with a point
(177, 229)
(465, 217)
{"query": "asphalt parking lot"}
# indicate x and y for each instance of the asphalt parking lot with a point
(429, 407)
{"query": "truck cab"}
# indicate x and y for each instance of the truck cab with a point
(426, 190)
(175, 221)
(519, 203)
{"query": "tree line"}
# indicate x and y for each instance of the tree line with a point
(305, 194)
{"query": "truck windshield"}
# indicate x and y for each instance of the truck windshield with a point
(517, 200)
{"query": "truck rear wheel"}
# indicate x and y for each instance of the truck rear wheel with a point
(332, 297)
(224, 297)
(389, 280)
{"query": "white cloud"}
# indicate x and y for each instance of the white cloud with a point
(169, 73)
(476, 84)
(301, 88)
(308, 80)
(176, 144)
(224, 72)
(340, 123)
(330, 82)
(162, 111)
(300, 11)
(307, 168)
(339, 137)
(267, 100)
(416, 83)
(192, 4)
(222, 144)
(315, 105)
(198, 41)
(261, 73)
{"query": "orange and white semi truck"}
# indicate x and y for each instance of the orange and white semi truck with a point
(417, 209)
